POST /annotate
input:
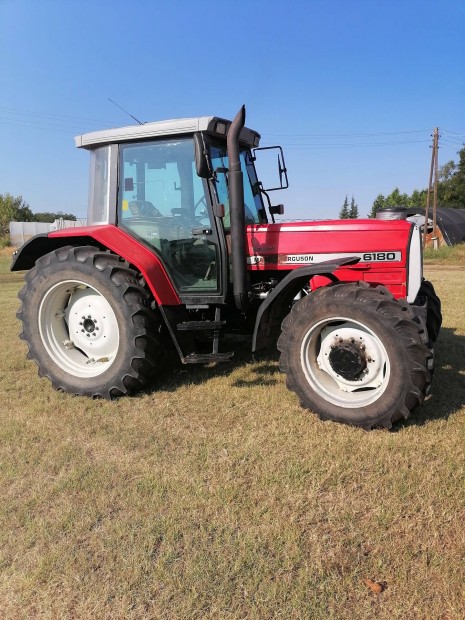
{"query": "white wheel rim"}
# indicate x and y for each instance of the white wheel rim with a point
(78, 328)
(371, 382)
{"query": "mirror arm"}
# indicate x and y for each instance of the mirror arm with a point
(265, 193)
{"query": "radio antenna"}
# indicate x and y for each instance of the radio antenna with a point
(118, 106)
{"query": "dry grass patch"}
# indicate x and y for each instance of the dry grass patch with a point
(217, 496)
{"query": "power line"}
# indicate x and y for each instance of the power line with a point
(453, 132)
(309, 147)
(31, 125)
(344, 135)
(452, 141)
(62, 117)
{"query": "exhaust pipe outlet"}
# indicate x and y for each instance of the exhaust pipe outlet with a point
(237, 213)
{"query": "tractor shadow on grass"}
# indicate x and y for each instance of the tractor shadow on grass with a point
(448, 384)
(260, 369)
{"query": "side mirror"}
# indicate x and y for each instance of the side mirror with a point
(282, 170)
(202, 161)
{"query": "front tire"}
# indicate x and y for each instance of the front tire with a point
(87, 323)
(354, 354)
(427, 296)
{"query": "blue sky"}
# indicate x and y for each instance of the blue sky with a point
(351, 90)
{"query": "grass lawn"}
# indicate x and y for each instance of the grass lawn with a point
(215, 496)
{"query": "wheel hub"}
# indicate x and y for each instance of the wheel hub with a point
(92, 324)
(89, 325)
(351, 356)
(348, 360)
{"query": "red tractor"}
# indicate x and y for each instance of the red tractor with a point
(182, 244)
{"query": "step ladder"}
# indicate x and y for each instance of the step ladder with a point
(214, 327)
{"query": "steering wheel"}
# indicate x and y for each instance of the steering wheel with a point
(201, 204)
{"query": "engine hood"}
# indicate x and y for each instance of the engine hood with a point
(289, 245)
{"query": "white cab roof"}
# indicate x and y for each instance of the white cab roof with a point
(209, 124)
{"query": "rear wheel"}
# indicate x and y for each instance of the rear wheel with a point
(354, 354)
(88, 324)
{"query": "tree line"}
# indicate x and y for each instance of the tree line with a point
(15, 209)
(349, 212)
(451, 192)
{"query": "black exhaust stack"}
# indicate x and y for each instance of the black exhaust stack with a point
(237, 213)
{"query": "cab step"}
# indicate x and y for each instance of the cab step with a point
(207, 358)
(195, 326)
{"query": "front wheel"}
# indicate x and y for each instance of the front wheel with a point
(354, 354)
(87, 323)
(427, 296)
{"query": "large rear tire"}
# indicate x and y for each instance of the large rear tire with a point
(88, 324)
(354, 354)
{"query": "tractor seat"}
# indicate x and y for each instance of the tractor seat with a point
(143, 208)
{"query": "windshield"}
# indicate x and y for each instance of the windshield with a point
(254, 210)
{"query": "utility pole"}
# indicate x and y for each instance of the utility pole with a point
(433, 168)
(434, 237)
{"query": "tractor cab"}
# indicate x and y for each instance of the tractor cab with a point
(167, 185)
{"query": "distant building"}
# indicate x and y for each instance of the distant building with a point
(20, 232)
(450, 224)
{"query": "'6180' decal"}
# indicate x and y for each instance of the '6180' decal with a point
(381, 256)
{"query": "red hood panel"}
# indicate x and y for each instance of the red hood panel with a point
(290, 245)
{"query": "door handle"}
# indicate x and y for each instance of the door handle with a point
(201, 231)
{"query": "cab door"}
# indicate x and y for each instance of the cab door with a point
(165, 204)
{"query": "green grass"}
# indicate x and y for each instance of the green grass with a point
(215, 496)
(446, 255)
(5, 241)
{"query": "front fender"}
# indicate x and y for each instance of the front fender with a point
(275, 307)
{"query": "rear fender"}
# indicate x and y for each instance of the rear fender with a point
(104, 237)
(276, 306)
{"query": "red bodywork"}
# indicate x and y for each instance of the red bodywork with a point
(277, 247)
(135, 253)
(283, 247)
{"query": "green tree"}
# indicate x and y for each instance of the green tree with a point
(396, 199)
(344, 212)
(379, 203)
(48, 216)
(418, 198)
(451, 185)
(447, 171)
(13, 209)
(353, 211)
(451, 189)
